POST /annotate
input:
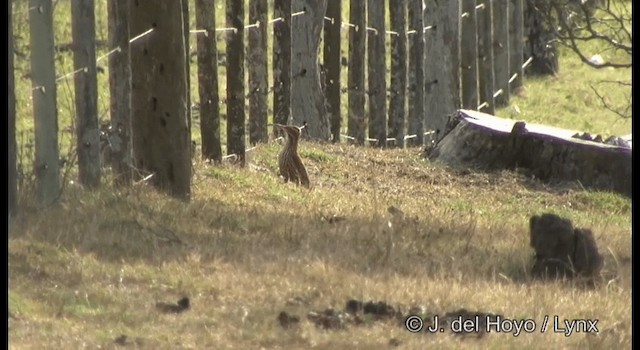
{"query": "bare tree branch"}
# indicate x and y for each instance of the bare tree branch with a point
(623, 112)
(617, 35)
(605, 22)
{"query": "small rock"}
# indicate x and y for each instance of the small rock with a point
(395, 212)
(394, 342)
(121, 340)
(587, 137)
(287, 321)
(379, 309)
(182, 305)
(353, 306)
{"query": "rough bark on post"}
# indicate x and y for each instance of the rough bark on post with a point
(442, 69)
(43, 83)
(485, 59)
(516, 43)
(235, 80)
(501, 51)
(187, 58)
(257, 63)
(13, 184)
(83, 31)
(469, 55)
(331, 60)
(307, 99)
(120, 92)
(398, 83)
(377, 72)
(208, 81)
(281, 62)
(542, 45)
(355, 82)
(416, 76)
(161, 139)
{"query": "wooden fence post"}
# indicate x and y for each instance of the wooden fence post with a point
(469, 55)
(208, 81)
(397, 101)
(355, 83)
(257, 64)
(416, 73)
(12, 194)
(501, 51)
(120, 92)
(307, 97)
(281, 62)
(45, 113)
(442, 68)
(377, 70)
(331, 59)
(485, 59)
(235, 80)
(541, 40)
(516, 43)
(86, 91)
(187, 61)
(161, 138)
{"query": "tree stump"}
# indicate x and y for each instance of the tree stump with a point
(551, 154)
(563, 250)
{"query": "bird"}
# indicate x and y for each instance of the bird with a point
(290, 165)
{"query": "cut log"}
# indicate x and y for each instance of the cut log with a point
(550, 154)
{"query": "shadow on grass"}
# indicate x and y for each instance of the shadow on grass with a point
(155, 230)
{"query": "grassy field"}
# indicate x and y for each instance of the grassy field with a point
(88, 272)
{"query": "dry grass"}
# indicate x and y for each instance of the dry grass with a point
(249, 246)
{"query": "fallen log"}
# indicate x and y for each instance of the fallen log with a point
(474, 139)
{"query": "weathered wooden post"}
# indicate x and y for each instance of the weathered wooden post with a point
(208, 81)
(442, 68)
(516, 44)
(355, 83)
(377, 70)
(331, 59)
(281, 62)
(398, 84)
(257, 64)
(485, 58)
(416, 73)
(501, 51)
(235, 80)
(45, 113)
(469, 55)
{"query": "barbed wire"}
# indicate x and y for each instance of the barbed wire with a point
(406, 137)
(86, 69)
(511, 80)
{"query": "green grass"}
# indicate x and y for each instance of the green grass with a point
(568, 101)
(247, 246)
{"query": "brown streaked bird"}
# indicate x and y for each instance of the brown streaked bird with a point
(289, 162)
